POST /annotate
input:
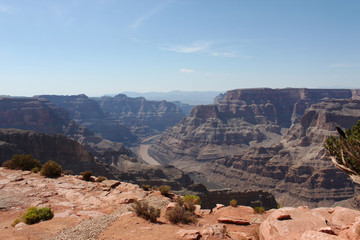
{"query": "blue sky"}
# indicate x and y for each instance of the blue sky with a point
(101, 47)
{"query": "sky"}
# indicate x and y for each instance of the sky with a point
(99, 47)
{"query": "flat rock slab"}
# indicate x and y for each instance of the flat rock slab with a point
(232, 220)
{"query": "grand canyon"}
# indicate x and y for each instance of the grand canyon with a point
(263, 147)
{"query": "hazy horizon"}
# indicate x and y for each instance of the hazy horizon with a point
(105, 47)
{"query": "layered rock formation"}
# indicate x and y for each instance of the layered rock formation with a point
(68, 153)
(88, 113)
(143, 117)
(269, 139)
(87, 152)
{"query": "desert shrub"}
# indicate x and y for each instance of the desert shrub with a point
(279, 206)
(142, 209)
(164, 190)
(86, 175)
(259, 209)
(100, 178)
(7, 164)
(145, 187)
(51, 169)
(35, 215)
(68, 172)
(15, 222)
(35, 170)
(181, 214)
(233, 203)
(22, 162)
(191, 198)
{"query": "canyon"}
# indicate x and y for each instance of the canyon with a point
(269, 139)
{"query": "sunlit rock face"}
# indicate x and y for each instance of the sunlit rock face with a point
(270, 139)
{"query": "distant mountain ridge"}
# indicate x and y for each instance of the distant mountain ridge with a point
(188, 97)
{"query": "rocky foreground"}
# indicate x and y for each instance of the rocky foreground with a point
(92, 210)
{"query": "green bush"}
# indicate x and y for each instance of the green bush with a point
(233, 203)
(100, 178)
(35, 170)
(259, 209)
(145, 187)
(142, 209)
(22, 162)
(35, 215)
(164, 190)
(51, 169)
(181, 214)
(86, 176)
(191, 198)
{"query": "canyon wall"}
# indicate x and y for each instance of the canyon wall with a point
(270, 139)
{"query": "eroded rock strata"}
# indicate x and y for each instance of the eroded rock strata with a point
(53, 126)
(270, 139)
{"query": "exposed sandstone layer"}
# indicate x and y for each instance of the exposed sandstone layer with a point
(143, 117)
(270, 139)
(43, 117)
(88, 113)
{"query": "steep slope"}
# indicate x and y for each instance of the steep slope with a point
(69, 153)
(143, 117)
(88, 113)
(243, 142)
(43, 117)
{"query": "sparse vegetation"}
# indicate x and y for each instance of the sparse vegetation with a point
(34, 215)
(233, 203)
(51, 169)
(181, 213)
(142, 209)
(259, 209)
(22, 162)
(35, 170)
(68, 172)
(345, 151)
(145, 187)
(165, 190)
(191, 198)
(86, 176)
(100, 178)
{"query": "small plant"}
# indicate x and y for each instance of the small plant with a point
(35, 170)
(86, 176)
(145, 187)
(164, 190)
(15, 222)
(34, 215)
(68, 172)
(100, 178)
(181, 214)
(191, 198)
(259, 209)
(233, 203)
(142, 209)
(279, 206)
(51, 169)
(22, 162)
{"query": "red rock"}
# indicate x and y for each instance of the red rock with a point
(232, 220)
(283, 217)
(311, 235)
(189, 234)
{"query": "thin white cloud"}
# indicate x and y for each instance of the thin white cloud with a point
(187, 70)
(195, 47)
(223, 54)
(155, 10)
(10, 10)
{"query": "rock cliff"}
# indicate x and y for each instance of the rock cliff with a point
(270, 139)
(143, 117)
(88, 152)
